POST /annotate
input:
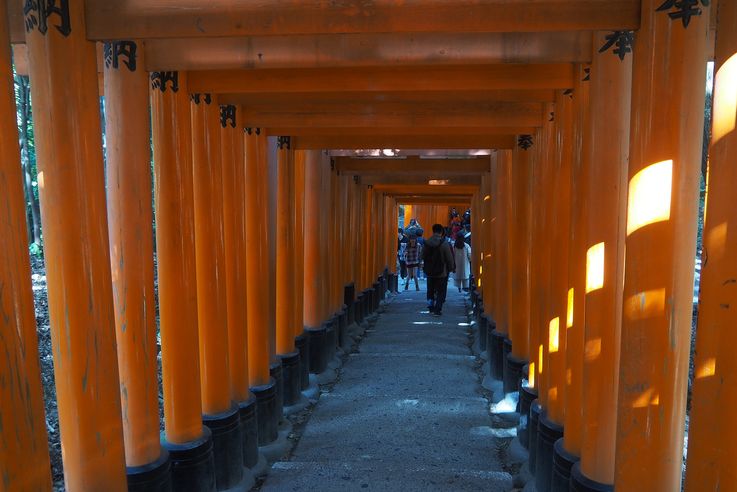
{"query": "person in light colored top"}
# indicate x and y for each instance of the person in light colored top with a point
(462, 254)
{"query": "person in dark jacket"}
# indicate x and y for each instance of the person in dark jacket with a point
(439, 263)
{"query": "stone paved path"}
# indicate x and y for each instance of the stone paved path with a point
(406, 414)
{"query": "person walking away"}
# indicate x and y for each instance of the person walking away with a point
(412, 259)
(421, 242)
(439, 263)
(462, 257)
(401, 245)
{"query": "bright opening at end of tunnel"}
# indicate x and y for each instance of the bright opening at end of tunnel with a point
(649, 196)
(595, 267)
(553, 335)
(569, 309)
(725, 99)
(438, 182)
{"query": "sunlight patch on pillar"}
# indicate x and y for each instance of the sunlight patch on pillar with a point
(707, 369)
(645, 305)
(643, 400)
(540, 359)
(716, 240)
(592, 349)
(569, 377)
(553, 394)
(649, 196)
(531, 375)
(595, 267)
(553, 335)
(724, 114)
(569, 309)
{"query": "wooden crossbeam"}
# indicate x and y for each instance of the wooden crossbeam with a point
(399, 115)
(450, 200)
(379, 179)
(388, 131)
(413, 166)
(406, 79)
(425, 189)
(403, 142)
(146, 19)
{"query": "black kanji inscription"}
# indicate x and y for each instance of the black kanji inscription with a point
(37, 12)
(227, 113)
(286, 142)
(622, 42)
(160, 79)
(683, 9)
(197, 98)
(524, 141)
(115, 49)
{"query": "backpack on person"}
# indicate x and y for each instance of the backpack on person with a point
(433, 256)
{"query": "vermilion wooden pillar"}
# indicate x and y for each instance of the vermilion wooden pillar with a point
(711, 443)
(24, 452)
(668, 79)
(606, 193)
(66, 109)
(504, 166)
(285, 219)
(130, 215)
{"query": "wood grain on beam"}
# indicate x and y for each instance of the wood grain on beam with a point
(360, 50)
(395, 115)
(457, 201)
(376, 179)
(412, 165)
(425, 189)
(142, 19)
(386, 79)
(388, 131)
(404, 142)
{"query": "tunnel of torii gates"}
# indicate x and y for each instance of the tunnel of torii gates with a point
(572, 128)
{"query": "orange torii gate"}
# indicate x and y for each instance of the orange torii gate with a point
(571, 128)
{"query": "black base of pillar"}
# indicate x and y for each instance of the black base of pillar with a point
(483, 325)
(376, 295)
(301, 343)
(478, 310)
(153, 477)
(513, 373)
(357, 313)
(275, 371)
(364, 303)
(192, 463)
(563, 461)
(490, 328)
(318, 349)
(249, 431)
(266, 416)
(547, 433)
(535, 410)
(292, 378)
(526, 396)
(227, 447)
(342, 326)
(581, 483)
(332, 331)
(349, 294)
(496, 355)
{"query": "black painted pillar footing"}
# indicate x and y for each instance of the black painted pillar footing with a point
(318, 349)
(249, 431)
(266, 416)
(483, 332)
(227, 446)
(526, 396)
(496, 355)
(331, 330)
(302, 345)
(563, 461)
(342, 326)
(152, 477)
(513, 372)
(291, 378)
(547, 433)
(192, 463)
(581, 483)
(535, 410)
(275, 371)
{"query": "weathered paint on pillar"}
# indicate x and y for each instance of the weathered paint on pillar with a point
(175, 248)
(610, 93)
(284, 245)
(668, 80)
(555, 325)
(212, 317)
(66, 110)
(519, 247)
(234, 233)
(257, 258)
(299, 242)
(24, 449)
(712, 431)
(130, 215)
(580, 210)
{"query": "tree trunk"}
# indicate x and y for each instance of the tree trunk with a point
(24, 107)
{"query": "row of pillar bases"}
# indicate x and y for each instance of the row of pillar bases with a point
(229, 452)
(554, 469)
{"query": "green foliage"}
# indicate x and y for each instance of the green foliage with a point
(35, 250)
